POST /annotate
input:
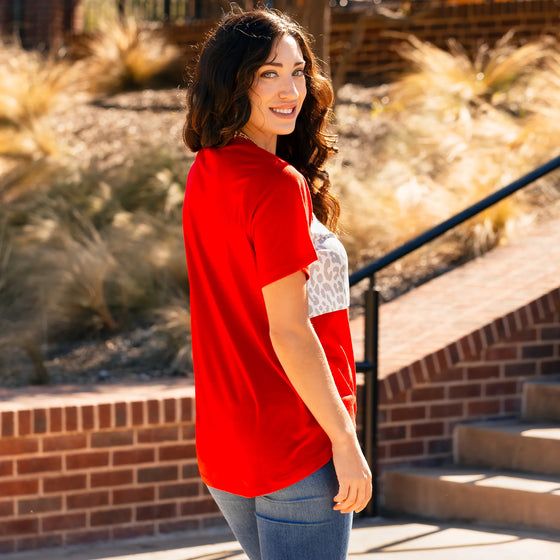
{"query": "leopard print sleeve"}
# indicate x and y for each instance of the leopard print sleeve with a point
(327, 287)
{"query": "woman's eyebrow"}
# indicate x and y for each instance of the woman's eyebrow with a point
(272, 63)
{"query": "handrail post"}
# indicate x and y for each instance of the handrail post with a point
(371, 345)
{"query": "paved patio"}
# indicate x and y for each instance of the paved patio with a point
(375, 539)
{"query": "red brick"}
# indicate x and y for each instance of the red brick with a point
(158, 474)
(386, 433)
(55, 419)
(153, 411)
(465, 391)
(438, 446)
(188, 431)
(63, 522)
(8, 424)
(87, 460)
(36, 543)
(520, 369)
(121, 414)
(39, 505)
(500, 353)
(483, 407)
(17, 487)
(133, 456)
(527, 335)
(84, 537)
(64, 483)
(104, 415)
(87, 500)
(6, 508)
(112, 439)
(186, 409)
(429, 393)
(177, 452)
(137, 409)
(550, 367)
(501, 388)
(6, 468)
(450, 410)
(88, 417)
(183, 490)
(537, 351)
(161, 511)
(406, 449)
(483, 372)
(169, 410)
(190, 471)
(65, 442)
(24, 422)
(71, 418)
(18, 446)
(512, 405)
(427, 429)
(550, 333)
(39, 421)
(158, 435)
(181, 526)
(111, 478)
(132, 495)
(39, 464)
(405, 413)
(111, 517)
(18, 527)
(134, 531)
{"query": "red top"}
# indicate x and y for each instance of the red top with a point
(246, 222)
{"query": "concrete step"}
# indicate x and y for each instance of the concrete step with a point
(541, 399)
(475, 494)
(509, 445)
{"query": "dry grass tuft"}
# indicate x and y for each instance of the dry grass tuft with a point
(446, 135)
(124, 55)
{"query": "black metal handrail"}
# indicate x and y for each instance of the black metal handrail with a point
(369, 366)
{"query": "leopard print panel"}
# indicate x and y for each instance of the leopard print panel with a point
(327, 287)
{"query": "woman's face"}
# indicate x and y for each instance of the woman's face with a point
(277, 94)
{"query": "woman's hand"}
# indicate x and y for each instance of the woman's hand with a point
(354, 476)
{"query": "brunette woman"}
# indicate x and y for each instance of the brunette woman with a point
(274, 369)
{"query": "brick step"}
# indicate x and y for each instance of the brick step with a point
(510, 445)
(541, 399)
(500, 497)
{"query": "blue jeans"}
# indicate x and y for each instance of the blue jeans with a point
(295, 523)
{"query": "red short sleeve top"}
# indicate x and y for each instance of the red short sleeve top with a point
(246, 219)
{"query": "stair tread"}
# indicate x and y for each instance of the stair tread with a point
(544, 430)
(512, 480)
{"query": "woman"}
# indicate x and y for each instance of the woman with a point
(274, 377)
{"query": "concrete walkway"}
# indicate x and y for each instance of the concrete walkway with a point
(377, 539)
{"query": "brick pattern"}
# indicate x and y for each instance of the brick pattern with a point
(471, 23)
(87, 471)
(416, 423)
(43, 24)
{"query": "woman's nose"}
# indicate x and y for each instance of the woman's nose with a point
(289, 89)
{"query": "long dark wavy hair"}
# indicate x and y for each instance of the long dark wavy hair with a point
(218, 102)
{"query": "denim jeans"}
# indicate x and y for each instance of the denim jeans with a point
(295, 523)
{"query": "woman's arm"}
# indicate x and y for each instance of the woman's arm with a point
(303, 359)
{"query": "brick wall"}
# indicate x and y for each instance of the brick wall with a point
(471, 24)
(477, 377)
(77, 467)
(42, 24)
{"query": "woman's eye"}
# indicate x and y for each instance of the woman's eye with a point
(268, 74)
(299, 72)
